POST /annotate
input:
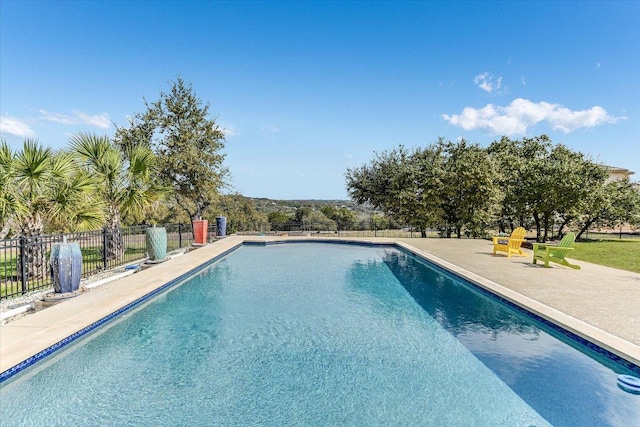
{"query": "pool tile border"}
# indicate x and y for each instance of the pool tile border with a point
(316, 241)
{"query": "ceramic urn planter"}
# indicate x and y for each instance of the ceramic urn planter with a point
(200, 231)
(65, 264)
(156, 240)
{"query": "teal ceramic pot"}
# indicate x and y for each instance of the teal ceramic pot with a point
(156, 239)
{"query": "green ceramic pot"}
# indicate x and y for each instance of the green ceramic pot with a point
(156, 239)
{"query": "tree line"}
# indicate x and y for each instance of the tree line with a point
(166, 165)
(327, 218)
(461, 188)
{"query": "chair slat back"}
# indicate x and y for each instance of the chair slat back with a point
(566, 242)
(516, 234)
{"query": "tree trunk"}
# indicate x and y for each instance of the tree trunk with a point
(546, 227)
(5, 230)
(193, 215)
(113, 236)
(536, 218)
(585, 228)
(564, 224)
(35, 256)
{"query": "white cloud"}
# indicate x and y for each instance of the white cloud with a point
(523, 81)
(102, 121)
(487, 82)
(517, 117)
(57, 118)
(228, 131)
(271, 129)
(13, 126)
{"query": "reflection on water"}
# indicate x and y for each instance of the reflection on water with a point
(540, 368)
(320, 335)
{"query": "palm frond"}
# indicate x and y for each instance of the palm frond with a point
(32, 166)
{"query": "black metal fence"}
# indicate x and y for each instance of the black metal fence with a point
(364, 228)
(24, 260)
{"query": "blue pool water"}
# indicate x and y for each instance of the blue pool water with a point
(322, 334)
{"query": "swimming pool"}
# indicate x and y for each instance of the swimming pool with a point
(322, 334)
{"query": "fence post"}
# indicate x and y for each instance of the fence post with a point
(23, 272)
(180, 235)
(104, 249)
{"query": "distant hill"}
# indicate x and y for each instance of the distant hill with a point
(289, 206)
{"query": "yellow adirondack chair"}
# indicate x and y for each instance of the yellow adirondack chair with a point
(513, 243)
(555, 253)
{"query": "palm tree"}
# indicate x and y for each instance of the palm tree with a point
(127, 184)
(9, 201)
(76, 206)
(48, 188)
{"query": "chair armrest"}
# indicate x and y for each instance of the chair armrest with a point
(559, 248)
(543, 245)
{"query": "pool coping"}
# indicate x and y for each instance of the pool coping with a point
(26, 341)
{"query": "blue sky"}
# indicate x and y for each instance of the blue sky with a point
(307, 89)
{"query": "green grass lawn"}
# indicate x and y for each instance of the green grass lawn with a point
(621, 254)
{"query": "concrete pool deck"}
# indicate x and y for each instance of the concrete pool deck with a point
(597, 303)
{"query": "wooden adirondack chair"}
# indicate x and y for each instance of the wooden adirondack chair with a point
(513, 243)
(555, 253)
